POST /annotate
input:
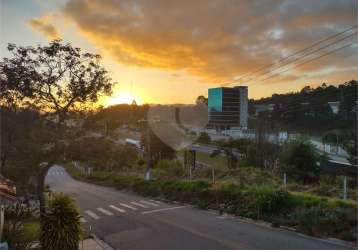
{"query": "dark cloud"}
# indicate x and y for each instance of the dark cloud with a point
(216, 40)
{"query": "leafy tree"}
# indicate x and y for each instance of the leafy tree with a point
(54, 78)
(158, 149)
(100, 153)
(228, 150)
(61, 227)
(299, 160)
(201, 100)
(204, 138)
(351, 146)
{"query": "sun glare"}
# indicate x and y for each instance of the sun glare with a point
(123, 98)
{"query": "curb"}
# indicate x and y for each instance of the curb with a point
(102, 243)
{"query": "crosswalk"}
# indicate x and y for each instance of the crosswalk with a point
(121, 208)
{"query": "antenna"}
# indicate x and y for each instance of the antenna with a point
(134, 103)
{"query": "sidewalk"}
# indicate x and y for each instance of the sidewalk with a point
(90, 244)
(94, 244)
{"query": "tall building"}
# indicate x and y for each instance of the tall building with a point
(227, 107)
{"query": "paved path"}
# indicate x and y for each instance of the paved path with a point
(127, 221)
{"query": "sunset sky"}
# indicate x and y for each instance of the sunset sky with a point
(166, 51)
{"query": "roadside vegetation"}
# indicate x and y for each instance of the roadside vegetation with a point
(309, 214)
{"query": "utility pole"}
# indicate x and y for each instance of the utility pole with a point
(345, 188)
(147, 149)
(148, 153)
(2, 212)
(192, 164)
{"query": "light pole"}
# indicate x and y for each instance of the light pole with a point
(147, 149)
(2, 212)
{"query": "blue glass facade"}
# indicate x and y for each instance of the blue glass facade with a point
(215, 97)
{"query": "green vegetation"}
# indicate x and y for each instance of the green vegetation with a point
(299, 160)
(204, 138)
(61, 227)
(329, 217)
(21, 227)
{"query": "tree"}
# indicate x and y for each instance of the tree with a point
(53, 78)
(201, 100)
(61, 227)
(158, 149)
(100, 153)
(204, 138)
(227, 149)
(299, 160)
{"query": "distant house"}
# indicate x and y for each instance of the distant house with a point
(334, 107)
(7, 191)
(264, 108)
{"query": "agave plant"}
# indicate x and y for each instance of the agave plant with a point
(61, 227)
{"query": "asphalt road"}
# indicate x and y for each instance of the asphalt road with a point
(127, 221)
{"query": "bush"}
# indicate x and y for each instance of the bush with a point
(299, 161)
(169, 169)
(60, 226)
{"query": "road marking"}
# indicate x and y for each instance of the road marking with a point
(139, 205)
(155, 201)
(93, 215)
(149, 203)
(163, 209)
(127, 206)
(117, 209)
(102, 210)
(83, 220)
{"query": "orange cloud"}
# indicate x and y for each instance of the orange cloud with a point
(43, 25)
(216, 40)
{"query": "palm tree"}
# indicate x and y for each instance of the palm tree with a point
(61, 227)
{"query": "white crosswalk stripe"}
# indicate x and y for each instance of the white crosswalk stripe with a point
(106, 212)
(149, 203)
(155, 201)
(139, 205)
(128, 206)
(91, 214)
(117, 209)
(83, 220)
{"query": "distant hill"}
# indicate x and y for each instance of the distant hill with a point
(311, 110)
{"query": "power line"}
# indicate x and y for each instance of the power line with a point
(298, 52)
(307, 54)
(313, 59)
(304, 49)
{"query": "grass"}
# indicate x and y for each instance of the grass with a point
(31, 231)
(218, 161)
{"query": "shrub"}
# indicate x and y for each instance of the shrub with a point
(169, 169)
(147, 188)
(60, 226)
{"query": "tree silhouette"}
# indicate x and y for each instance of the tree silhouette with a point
(53, 78)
